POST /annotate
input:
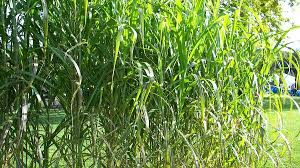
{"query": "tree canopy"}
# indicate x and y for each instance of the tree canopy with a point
(270, 11)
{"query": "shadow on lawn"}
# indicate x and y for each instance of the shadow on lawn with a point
(55, 117)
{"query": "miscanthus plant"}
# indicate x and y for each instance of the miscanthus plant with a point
(140, 83)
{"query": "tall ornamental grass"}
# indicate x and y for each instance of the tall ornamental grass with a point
(156, 83)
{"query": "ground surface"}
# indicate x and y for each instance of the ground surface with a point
(290, 128)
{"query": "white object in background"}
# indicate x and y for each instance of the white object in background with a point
(290, 80)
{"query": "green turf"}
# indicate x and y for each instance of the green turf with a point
(290, 128)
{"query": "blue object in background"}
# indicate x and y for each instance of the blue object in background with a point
(290, 91)
(275, 89)
(298, 92)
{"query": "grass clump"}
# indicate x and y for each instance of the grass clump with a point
(140, 83)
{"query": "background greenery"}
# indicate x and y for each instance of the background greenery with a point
(140, 83)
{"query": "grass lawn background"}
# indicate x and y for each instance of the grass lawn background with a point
(290, 128)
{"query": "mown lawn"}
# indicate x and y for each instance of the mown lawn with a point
(290, 128)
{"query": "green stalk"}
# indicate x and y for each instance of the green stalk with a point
(16, 61)
(45, 55)
(4, 102)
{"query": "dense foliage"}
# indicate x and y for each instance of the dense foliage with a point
(141, 83)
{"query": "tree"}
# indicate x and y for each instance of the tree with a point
(270, 11)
